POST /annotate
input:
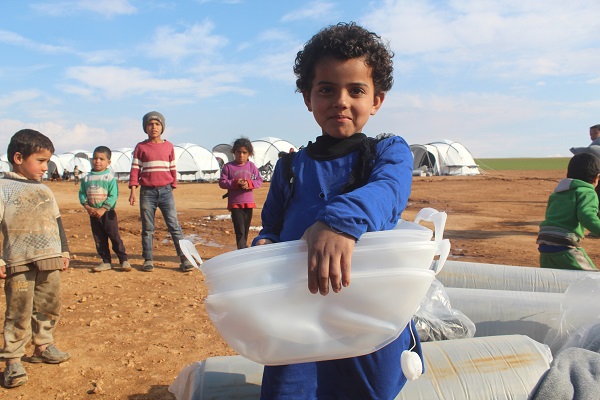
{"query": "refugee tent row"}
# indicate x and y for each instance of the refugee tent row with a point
(194, 162)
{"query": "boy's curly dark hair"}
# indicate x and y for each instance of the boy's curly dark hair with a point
(27, 142)
(345, 41)
(243, 142)
(584, 166)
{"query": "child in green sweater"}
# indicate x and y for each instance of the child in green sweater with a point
(572, 208)
(98, 194)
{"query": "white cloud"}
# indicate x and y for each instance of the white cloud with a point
(313, 10)
(107, 8)
(196, 40)
(19, 96)
(115, 82)
(15, 39)
(512, 37)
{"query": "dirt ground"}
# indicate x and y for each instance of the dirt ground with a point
(130, 333)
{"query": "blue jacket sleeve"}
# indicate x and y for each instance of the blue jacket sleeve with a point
(273, 209)
(378, 204)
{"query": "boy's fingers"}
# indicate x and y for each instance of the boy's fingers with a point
(323, 274)
(335, 275)
(313, 273)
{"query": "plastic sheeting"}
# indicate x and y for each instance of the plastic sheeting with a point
(507, 312)
(506, 367)
(507, 277)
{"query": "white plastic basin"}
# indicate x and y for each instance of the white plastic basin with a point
(289, 264)
(284, 323)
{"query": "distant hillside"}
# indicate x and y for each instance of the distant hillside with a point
(522, 164)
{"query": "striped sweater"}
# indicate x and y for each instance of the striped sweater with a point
(153, 165)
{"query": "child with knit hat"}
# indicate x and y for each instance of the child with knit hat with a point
(153, 169)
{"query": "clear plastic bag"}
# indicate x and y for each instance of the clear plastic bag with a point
(436, 320)
(579, 323)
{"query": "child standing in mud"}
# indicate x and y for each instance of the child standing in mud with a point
(98, 194)
(240, 177)
(35, 251)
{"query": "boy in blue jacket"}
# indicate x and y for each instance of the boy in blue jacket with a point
(572, 207)
(334, 190)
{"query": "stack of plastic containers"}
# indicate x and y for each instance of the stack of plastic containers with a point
(260, 303)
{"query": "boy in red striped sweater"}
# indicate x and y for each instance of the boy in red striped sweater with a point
(153, 169)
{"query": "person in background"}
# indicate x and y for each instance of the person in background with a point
(55, 175)
(32, 258)
(240, 177)
(153, 168)
(572, 207)
(98, 194)
(76, 175)
(595, 135)
(344, 184)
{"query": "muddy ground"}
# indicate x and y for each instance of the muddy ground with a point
(130, 333)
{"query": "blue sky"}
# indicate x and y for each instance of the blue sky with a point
(507, 78)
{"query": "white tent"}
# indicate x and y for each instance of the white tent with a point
(54, 164)
(195, 163)
(266, 154)
(223, 151)
(443, 158)
(79, 158)
(4, 164)
(120, 163)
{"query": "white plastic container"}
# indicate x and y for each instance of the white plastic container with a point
(409, 245)
(239, 274)
(260, 303)
(285, 323)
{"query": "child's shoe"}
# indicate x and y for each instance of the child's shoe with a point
(185, 265)
(148, 266)
(125, 266)
(51, 355)
(14, 375)
(102, 267)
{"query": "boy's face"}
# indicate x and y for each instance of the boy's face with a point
(154, 130)
(100, 162)
(241, 155)
(33, 167)
(342, 96)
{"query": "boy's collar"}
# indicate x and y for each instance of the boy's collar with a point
(16, 176)
(327, 147)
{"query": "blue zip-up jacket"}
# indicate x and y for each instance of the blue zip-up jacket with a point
(376, 206)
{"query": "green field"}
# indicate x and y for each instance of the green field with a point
(525, 164)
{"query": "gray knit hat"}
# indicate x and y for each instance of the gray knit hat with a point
(153, 115)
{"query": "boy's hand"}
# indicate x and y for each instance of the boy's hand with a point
(329, 258)
(132, 197)
(90, 210)
(260, 242)
(2, 272)
(66, 263)
(100, 212)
